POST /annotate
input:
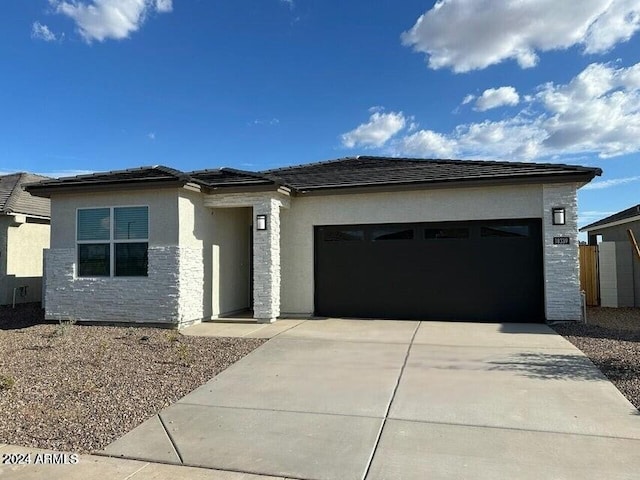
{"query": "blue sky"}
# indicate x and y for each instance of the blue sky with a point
(90, 85)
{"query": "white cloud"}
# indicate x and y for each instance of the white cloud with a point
(614, 182)
(272, 121)
(40, 31)
(104, 19)
(380, 128)
(164, 5)
(65, 173)
(596, 213)
(288, 2)
(426, 143)
(590, 216)
(151, 135)
(468, 99)
(598, 112)
(466, 35)
(617, 24)
(497, 97)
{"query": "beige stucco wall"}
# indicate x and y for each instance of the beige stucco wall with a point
(4, 223)
(222, 237)
(265, 252)
(21, 260)
(198, 260)
(156, 298)
(230, 260)
(163, 213)
(193, 229)
(523, 201)
(25, 244)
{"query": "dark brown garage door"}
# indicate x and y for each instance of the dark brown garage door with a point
(467, 271)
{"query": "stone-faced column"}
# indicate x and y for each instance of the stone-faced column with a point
(266, 261)
(561, 262)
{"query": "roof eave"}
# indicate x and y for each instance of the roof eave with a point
(30, 215)
(595, 226)
(224, 189)
(449, 183)
(45, 191)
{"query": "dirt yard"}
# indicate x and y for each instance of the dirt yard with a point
(78, 388)
(611, 339)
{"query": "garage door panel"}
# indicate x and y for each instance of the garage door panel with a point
(483, 271)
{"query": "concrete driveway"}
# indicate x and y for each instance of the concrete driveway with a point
(354, 399)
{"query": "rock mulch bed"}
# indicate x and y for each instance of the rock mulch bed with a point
(611, 339)
(78, 388)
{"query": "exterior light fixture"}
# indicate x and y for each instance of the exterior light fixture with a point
(558, 216)
(261, 222)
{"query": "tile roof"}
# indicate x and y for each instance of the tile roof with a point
(229, 177)
(341, 173)
(373, 171)
(222, 177)
(155, 173)
(630, 212)
(14, 199)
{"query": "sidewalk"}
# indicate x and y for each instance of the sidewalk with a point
(105, 468)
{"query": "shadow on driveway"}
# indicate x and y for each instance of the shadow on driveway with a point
(528, 328)
(549, 366)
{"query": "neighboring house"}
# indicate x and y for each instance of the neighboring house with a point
(24, 234)
(356, 237)
(619, 265)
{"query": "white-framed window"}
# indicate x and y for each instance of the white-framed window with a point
(112, 241)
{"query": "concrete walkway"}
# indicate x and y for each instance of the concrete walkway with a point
(235, 328)
(354, 399)
(345, 399)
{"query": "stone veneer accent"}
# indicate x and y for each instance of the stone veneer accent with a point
(266, 263)
(171, 294)
(191, 307)
(266, 247)
(561, 262)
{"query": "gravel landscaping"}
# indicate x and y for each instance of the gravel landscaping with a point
(78, 388)
(611, 339)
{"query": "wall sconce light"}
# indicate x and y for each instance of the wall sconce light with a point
(558, 216)
(261, 222)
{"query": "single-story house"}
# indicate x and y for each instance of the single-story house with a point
(24, 234)
(618, 258)
(368, 237)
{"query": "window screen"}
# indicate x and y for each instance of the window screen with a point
(93, 224)
(131, 223)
